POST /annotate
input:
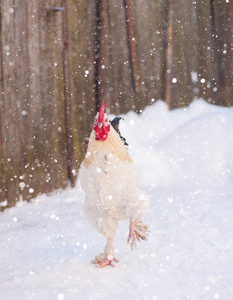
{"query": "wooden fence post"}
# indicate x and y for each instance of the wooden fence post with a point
(168, 52)
(133, 61)
(97, 52)
(2, 180)
(67, 91)
(10, 141)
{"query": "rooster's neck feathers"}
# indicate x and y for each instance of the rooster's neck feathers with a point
(113, 144)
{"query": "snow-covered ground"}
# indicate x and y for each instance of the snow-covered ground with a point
(185, 159)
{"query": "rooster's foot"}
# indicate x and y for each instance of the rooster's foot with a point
(137, 231)
(102, 261)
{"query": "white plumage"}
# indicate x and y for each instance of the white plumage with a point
(110, 181)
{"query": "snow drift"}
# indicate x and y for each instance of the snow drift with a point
(185, 147)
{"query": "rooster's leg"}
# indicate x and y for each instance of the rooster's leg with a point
(137, 231)
(131, 238)
(106, 258)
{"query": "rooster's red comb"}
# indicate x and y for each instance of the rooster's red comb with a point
(101, 112)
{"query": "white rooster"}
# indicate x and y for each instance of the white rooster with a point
(110, 181)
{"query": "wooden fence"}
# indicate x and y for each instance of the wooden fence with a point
(58, 59)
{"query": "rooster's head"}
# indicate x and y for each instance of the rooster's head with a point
(101, 124)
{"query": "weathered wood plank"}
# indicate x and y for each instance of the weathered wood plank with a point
(205, 67)
(115, 84)
(179, 72)
(32, 174)
(22, 81)
(227, 51)
(49, 163)
(82, 72)
(2, 178)
(57, 132)
(148, 20)
(10, 142)
(222, 40)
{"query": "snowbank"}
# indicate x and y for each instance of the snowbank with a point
(185, 147)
